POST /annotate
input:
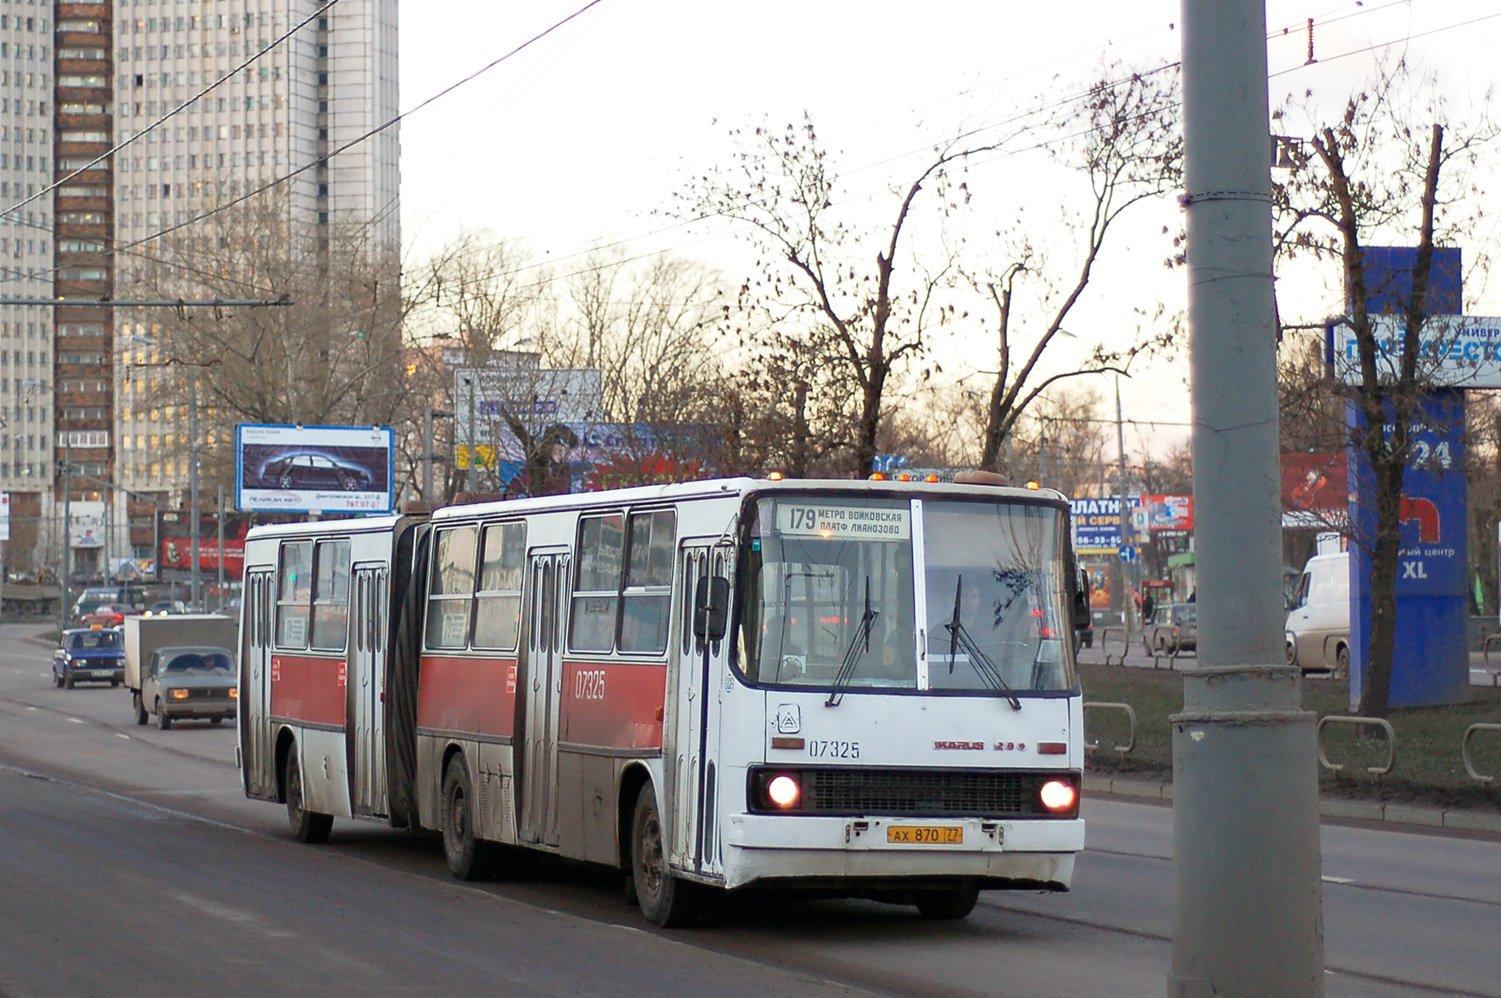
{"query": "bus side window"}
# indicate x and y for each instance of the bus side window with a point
(452, 588)
(646, 604)
(294, 590)
(497, 604)
(331, 596)
(596, 592)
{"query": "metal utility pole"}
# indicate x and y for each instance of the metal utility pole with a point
(1042, 474)
(67, 526)
(469, 442)
(193, 484)
(1128, 568)
(427, 450)
(219, 522)
(1247, 917)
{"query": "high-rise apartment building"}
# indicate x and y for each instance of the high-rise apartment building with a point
(80, 78)
(26, 259)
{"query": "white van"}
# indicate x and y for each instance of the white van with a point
(1318, 626)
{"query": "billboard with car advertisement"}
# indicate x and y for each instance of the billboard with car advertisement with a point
(323, 469)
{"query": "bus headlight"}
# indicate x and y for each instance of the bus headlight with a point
(783, 791)
(776, 790)
(1058, 796)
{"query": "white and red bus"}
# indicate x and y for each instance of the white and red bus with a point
(864, 688)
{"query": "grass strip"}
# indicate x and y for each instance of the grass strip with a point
(1428, 770)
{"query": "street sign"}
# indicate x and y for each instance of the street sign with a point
(1127, 553)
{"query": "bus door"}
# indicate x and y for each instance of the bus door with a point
(693, 696)
(365, 730)
(257, 752)
(543, 689)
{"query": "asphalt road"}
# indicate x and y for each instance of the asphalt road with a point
(130, 863)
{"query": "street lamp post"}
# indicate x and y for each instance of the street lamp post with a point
(427, 451)
(193, 513)
(67, 527)
(469, 475)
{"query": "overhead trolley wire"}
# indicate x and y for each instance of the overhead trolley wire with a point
(378, 129)
(174, 112)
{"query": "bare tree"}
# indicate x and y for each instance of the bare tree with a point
(647, 328)
(1125, 138)
(816, 297)
(1378, 171)
(330, 357)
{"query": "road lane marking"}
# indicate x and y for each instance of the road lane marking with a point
(1337, 880)
(75, 720)
(121, 734)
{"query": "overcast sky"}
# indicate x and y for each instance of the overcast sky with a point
(581, 138)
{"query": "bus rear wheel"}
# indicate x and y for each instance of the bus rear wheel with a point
(954, 903)
(468, 857)
(308, 826)
(665, 899)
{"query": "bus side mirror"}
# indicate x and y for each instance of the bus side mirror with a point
(1081, 600)
(711, 608)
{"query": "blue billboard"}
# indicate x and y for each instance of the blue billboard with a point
(1430, 660)
(1097, 524)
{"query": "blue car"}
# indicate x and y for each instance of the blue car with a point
(89, 655)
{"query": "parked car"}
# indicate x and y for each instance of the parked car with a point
(1173, 626)
(190, 682)
(88, 654)
(305, 469)
(1318, 623)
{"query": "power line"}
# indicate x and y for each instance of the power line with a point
(174, 112)
(352, 142)
(1381, 45)
(1011, 117)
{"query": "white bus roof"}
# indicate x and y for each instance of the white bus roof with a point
(370, 524)
(646, 493)
(731, 486)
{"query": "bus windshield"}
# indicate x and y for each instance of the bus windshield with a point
(830, 595)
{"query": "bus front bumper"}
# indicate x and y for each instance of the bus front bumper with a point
(994, 853)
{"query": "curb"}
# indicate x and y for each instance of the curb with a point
(1400, 814)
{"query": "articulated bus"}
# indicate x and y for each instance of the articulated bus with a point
(856, 688)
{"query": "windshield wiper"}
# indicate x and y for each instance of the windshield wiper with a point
(853, 652)
(959, 637)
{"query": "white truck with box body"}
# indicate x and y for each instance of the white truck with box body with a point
(146, 636)
(1318, 625)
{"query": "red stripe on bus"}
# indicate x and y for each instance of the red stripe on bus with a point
(468, 694)
(308, 689)
(613, 705)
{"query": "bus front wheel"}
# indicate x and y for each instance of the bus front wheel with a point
(665, 899)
